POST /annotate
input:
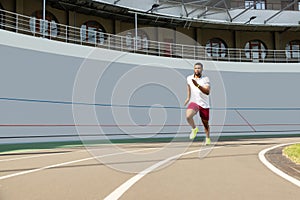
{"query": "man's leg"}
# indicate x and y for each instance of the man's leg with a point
(206, 129)
(190, 113)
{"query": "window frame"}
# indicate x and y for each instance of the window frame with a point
(257, 4)
(92, 32)
(290, 52)
(142, 40)
(216, 52)
(255, 54)
(37, 25)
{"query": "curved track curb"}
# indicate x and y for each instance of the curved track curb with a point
(263, 159)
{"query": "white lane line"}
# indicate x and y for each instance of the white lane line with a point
(263, 159)
(35, 156)
(117, 193)
(67, 163)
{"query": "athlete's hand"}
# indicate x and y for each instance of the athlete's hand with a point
(186, 101)
(195, 83)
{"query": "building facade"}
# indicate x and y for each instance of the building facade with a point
(95, 19)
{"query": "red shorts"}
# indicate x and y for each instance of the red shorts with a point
(203, 112)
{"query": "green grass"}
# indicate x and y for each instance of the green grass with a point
(293, 152)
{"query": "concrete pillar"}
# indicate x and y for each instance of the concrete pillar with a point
(277, 40)
(20, 6)
(72, 18)
(117, 27)
(237, 40)
(199, 36)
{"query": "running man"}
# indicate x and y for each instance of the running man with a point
(198, 89)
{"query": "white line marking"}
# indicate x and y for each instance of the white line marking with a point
(35, 156)
(66, 163)
(117, 193)
(263, 159)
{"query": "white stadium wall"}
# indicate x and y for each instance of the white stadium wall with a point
(55, 91)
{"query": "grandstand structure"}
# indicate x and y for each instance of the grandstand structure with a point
(232, 30)
(116, 69)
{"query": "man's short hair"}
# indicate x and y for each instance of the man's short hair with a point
(198, 63)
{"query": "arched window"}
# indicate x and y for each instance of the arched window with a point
(129, 40)
(92, 32)
(255, 50)
(142, 40)
(216, 48)
(49, 28)
(2, 17)
(145, 42)
(292, 49)
(256, 4)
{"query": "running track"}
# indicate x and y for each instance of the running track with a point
(231, 170)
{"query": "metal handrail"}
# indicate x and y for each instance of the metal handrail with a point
(21, 24)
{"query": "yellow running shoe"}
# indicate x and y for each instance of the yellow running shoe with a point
(194, 133)
(207, 141)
